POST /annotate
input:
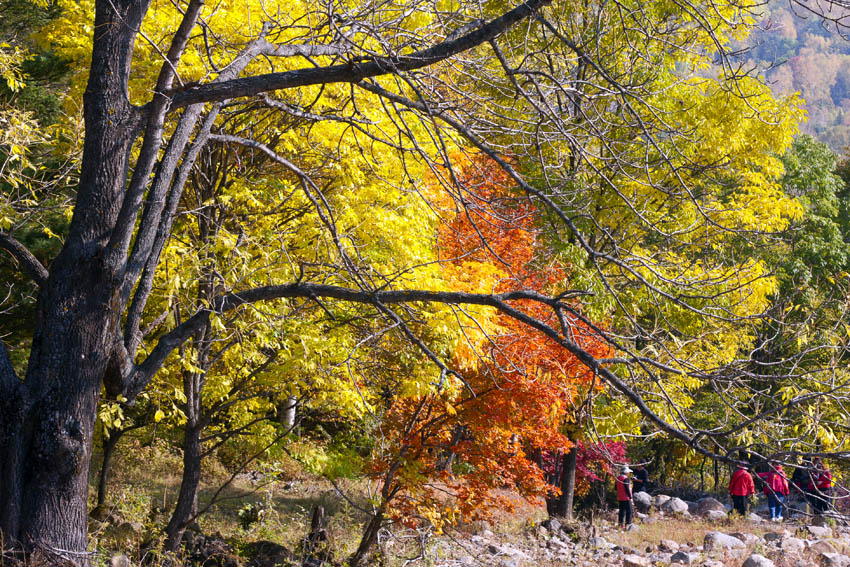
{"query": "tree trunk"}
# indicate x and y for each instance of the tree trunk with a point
(568, 484)
(47, 441)
(110, 441)
(187, 500)
(287, 418)
(370, 536)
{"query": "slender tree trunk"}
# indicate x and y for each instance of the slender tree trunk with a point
(287, 417)
(568, 484)
(370, 536)
(110, 441)
(187, 500)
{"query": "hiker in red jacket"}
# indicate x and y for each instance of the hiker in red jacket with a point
(741, 487)
(819, 487)
(776, 489)
(624, 496)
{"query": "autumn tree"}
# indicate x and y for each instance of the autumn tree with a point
(511, 388)
(601, 117)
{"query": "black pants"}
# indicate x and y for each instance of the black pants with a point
(819, 500)
(740, 503)
(624, 516)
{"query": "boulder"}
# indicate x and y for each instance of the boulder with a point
(822, 546)
(753, 517)
(775, 537)
(819, 520)
(668, 545)
(120, 561)
(715, 515)
(719, 540)
(632, 560)
(643, 502)
(756, 560)
(659, 499)
(600, 543)
(552, 524)
(792, 545)
(709, 504)
(747, 538)
(817, 531)
(683, 558)
(126, 530)
(833, 560)
(674, 506)
(266, 553)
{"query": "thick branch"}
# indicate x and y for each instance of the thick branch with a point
(29, 264)
(8, 378)
(356, 72)
(175, 338)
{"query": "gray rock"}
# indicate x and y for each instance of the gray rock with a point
(512, 562)
(792, 545)
(833, 560)
(756, 560)
(818, 531)
(819, 520)
(822, 546)
(659, 499)
(600, 543)
(719, 540)
(632, 560)
(775, 537)
(684, 558)
(716, 515)
(747, 538)
(713, 563)
(674, 506)
(467, 560)
(709, 504)
(120, 561)
(753, 517)
(668, 545)
(552, 524)
(643, 502)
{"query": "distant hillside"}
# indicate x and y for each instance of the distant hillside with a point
(800, 55)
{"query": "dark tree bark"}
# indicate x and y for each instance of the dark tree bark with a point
(110, 441)
(568, 484)
(47, 441)
(187, 500)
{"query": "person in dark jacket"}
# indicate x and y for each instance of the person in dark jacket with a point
(640, 480)
(741, 487)
(624, 496)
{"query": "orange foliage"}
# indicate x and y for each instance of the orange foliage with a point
(524, 382)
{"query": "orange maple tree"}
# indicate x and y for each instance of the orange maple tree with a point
(465, 451)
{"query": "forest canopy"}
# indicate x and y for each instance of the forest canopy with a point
(443, 242)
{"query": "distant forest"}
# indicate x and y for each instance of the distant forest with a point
(796, 53)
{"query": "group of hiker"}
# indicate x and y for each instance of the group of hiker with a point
(813, 480)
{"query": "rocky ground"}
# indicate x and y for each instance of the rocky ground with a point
(668, 531)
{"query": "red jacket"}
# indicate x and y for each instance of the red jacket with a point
(775, 482)
(624, 488)
(742, 483)
(820, 479)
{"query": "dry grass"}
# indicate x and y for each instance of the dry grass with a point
(690, 531)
